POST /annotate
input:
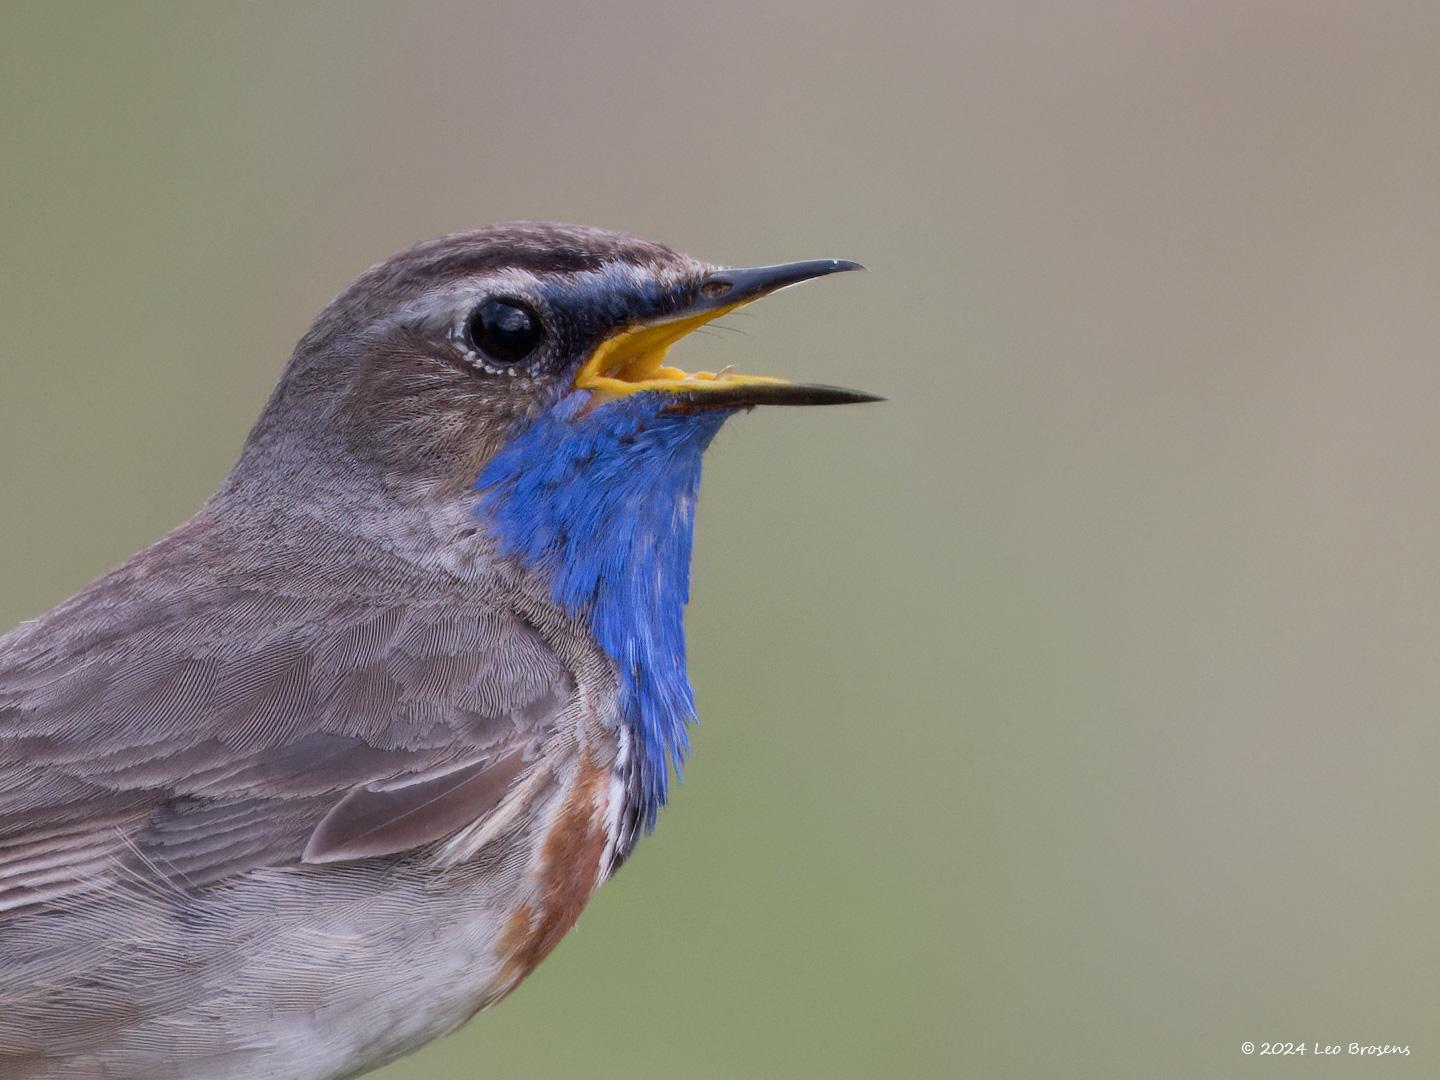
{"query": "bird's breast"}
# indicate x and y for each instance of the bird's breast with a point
(571, 861)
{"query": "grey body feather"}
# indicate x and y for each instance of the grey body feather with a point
(186, 747)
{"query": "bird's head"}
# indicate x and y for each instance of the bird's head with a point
(436, 359)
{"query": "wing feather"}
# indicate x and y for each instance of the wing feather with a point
(201, 733)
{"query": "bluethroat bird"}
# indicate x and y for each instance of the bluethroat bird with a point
(335, 764)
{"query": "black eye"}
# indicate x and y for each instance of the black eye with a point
(506, 331)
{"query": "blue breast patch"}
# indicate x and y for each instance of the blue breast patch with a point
(602, 504)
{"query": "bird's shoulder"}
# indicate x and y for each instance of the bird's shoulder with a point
(210, 707)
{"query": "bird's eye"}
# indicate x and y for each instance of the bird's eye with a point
(505, 330)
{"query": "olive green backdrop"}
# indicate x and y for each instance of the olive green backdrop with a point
(1074, 714)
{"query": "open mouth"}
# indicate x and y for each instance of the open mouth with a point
(634, 359)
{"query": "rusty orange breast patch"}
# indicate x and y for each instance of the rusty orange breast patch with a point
(567, 872)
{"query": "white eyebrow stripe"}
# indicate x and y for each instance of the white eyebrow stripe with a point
(441, 309)
(436, 309)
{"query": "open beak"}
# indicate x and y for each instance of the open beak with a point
(634, 360)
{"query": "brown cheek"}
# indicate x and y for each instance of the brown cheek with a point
(428, 423)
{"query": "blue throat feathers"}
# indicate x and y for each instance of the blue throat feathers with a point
(602, 505)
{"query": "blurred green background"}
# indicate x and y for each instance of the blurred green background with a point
(1074, 714)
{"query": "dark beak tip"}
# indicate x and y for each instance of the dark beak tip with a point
(747, 396)
(743, 283)
(839, 395)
